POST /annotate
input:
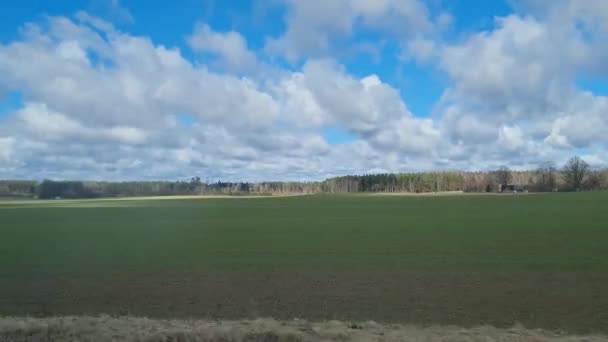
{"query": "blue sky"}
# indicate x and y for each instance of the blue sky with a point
(295, 89)
(10, 102)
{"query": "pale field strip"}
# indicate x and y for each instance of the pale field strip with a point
(122, 201)
(105, 328)
(446, 194)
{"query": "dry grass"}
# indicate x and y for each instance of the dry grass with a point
(123, 201)
(174, 197)
(107, 328)
(447, 193)
(440, 193)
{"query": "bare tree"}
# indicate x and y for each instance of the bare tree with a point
(195, 184)
(575, 172)
(503, 176)
(595, 181)
(545, 177)
(489, 183)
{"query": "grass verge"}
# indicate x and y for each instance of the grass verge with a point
(105, 328)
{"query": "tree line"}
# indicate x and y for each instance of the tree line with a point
(51, 189)
(575, 175)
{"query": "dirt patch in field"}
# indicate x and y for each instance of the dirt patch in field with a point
(107, 328)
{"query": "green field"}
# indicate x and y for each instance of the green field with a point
(540, 260)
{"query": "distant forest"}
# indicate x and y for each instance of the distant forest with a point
(576, 175)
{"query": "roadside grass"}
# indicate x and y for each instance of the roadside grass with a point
(104, 328)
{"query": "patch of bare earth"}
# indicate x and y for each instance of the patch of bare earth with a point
(105, 328)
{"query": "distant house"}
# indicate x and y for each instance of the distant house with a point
(514, 188)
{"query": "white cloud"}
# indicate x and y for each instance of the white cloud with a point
(6, 148)
(45, 123)
(120, 11)
(588, 17)
(314, 26)
(422, 49)
(584, 125)
(98, 116)
(129, 135)
(134, 78)
(514, 89)
(511, 138)
(522, 62)
(324, 94)
(231, 46)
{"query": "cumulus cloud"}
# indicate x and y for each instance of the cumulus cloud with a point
(121, 11)
(323, 94)
(113, 10)
(6, 148)
(522, 62)
(118, 93)
(313, 26)
(129, 78)
(101, 102)
(422, 49)
(45, 124)
(230, 46)
(514, 89)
